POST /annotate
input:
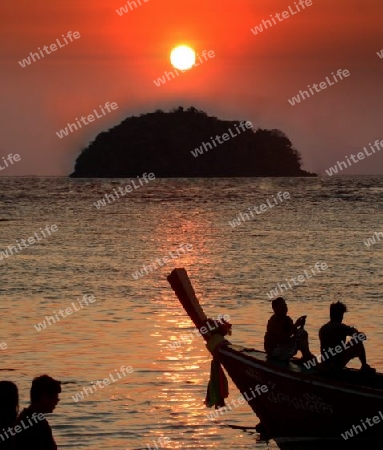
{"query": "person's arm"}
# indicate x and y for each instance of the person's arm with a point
(291, 326)
(352, 331)
(299, 323)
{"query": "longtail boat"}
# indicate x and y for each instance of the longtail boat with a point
(301, 407)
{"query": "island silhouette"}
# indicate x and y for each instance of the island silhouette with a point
(185, 143)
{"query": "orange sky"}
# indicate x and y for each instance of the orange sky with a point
(251, 77)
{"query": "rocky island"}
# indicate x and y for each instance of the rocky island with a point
(187, 143)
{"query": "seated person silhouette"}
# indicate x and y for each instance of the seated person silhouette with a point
(36, 433)
(336, 351)
(9, 408)
(284, 338)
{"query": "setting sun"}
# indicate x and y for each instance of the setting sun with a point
(182, 57)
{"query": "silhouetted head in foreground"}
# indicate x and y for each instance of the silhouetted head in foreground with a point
(45, 392)
(9, 403)
(279, 306)
(337, 311)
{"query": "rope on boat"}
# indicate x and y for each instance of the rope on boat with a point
(218, 387)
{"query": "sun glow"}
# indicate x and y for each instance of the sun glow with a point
(182, 57)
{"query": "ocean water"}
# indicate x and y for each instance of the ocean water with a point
(132, 322)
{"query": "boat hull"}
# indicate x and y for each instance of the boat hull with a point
(298, 405)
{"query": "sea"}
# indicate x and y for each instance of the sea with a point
(155, 395)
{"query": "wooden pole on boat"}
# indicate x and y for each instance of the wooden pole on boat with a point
(217, 389)
(183, 289)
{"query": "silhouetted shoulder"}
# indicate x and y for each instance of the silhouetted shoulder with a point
(32, 432)
(324, 328)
